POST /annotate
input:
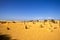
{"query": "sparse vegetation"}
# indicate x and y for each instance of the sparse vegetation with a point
(13, 21)
(53, 21)
(45, 20)
(3, 22)
(31, 21)
(37, 20)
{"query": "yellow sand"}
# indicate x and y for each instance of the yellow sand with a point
(32, 31)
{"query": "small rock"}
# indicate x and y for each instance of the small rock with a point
(55, 27)
(8, 28)
(26, 27)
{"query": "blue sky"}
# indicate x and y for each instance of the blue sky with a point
(29, 9)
